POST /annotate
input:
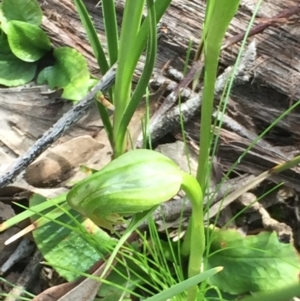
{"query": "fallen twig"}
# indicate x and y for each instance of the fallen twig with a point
(281, 18)
(170, 212)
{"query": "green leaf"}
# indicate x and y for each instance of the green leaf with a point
(252, 263)
(28, 42)
(282, 294)
(70, 252)
(131, 22)
(111, 29)
(70, 72)
(4, 46)
(92, 35)
(14, 72)
(27, 11)
(120, 132)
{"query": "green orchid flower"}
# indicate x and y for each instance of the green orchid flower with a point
(136, 182)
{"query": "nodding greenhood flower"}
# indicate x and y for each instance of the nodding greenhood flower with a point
(134, 182)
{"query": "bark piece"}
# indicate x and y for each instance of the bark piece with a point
(278, 65)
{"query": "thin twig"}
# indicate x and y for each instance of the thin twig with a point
(169, 212)
(281, 18)
(58, 129)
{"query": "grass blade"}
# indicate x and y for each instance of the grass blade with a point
(145, 77)
(92, 35)
(32, 211)
(182, 286)
(111, 29)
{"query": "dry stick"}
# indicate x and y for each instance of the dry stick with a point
(284, 232)
(280, 18)
(169, 121)
(27, 277)
(171, 211)
(173, 208)
(58, 129)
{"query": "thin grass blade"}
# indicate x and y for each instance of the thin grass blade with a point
(184, 285)
(111, 29)
(92, 35)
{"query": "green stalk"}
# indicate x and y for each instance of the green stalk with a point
(139, 45)
(218, 16)
(195, 234)
(106, 121)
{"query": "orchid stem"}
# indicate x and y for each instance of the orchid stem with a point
(195, 236)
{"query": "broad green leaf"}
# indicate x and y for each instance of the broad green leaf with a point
(4, 46)
(28, 42)
(71, 253)
(283, 294)
(252, 263)
(70, 73)
(27, 11)
(14, 72)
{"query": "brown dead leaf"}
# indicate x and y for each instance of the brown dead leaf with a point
(57, 164)
(77, 290)
(5, 161)
(55, 292)
(97, 160)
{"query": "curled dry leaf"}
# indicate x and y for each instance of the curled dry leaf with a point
(77, 290)
(58, 164)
